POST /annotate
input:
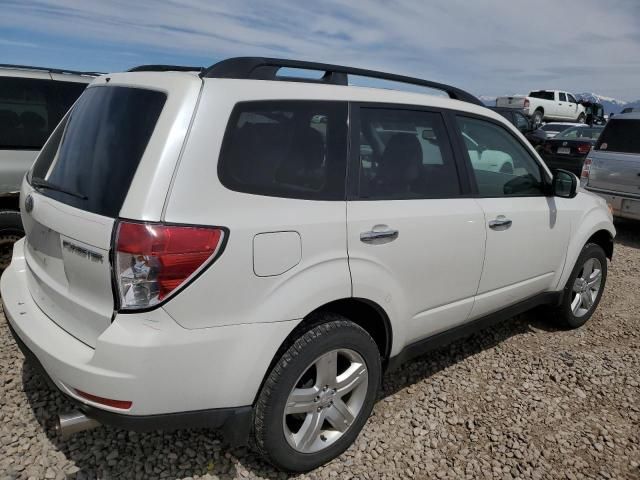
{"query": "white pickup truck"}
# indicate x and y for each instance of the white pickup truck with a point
(549, 105)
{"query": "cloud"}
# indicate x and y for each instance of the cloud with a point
(489, 47)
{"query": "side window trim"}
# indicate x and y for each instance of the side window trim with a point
(353, 170)
(457, 133)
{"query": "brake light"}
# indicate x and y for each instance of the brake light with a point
(153, 260)
(586, 169)
(526, 103)
(584, 148)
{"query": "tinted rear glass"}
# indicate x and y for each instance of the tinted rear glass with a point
(542, 94)
(620, 136)
(555, 127)
(95, 151)
(293, 149)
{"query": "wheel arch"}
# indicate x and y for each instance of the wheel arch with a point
(363, 312)
(593, 227)
(604, 238)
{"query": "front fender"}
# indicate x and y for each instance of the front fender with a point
(595, 219)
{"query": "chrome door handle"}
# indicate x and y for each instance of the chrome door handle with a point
(500, 223)
(379, 234)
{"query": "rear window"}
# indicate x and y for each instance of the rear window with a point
(92, 156)
(292, 149)
(555, 127)
(31, 108)
(620, 136)
(542, 94)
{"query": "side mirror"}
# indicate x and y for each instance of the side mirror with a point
(565, 184)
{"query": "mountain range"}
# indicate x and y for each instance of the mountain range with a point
(610, 104)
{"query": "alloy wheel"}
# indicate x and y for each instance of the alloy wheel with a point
(325, 401)
(586, 287)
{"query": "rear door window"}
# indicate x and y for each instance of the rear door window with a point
(405, 154)
(291, 149)
(563, 97)
(94, 153)
(621, 136)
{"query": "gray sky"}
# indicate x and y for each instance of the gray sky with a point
(489, 47)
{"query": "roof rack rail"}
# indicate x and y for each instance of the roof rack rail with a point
(259, 68)
(50, 70)
(165, 68)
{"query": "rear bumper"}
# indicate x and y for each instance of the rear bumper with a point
(234, 423)
(174, 377)
(623, 206)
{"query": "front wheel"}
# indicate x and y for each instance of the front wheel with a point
(318, 396)
(584, 288)
(581, 118)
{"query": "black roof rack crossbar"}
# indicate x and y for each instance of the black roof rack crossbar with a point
(259, 68)
(49, 70)
(165, 68)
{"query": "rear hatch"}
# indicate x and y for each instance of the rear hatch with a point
(510, 102)
(79, 186)
(615, 160)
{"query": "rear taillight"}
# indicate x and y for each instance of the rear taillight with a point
(122, 404)
(526, 103)
(584, 148)
(586, 169)
(153, 260)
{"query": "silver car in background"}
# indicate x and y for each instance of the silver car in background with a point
(32, 102)
(612, 168)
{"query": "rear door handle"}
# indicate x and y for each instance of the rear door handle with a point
(500, 223)
(379, 234)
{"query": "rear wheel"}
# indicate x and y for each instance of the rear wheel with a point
(10, 232)
(584, 288)
(318, 396)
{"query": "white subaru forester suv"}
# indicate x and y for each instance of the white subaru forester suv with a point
(238, 249)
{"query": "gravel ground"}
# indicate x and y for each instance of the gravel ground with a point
(521, 400)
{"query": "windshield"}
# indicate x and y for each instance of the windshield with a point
(588, 133)
(92, 156)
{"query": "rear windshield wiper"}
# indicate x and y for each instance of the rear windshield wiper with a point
(42, 183)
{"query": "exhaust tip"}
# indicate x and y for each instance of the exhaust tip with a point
(70, 423)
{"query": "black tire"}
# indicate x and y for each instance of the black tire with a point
(11, 230)
(537, 118)
(581, 118)
(564, 312)
(269, 436)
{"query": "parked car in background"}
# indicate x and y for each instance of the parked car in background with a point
(612, 168)
(549, 130)
(516, 118)
(217, 249)
(546, 105)
(630, 110)
(32, 102)
(569, 148)
(594, 113)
